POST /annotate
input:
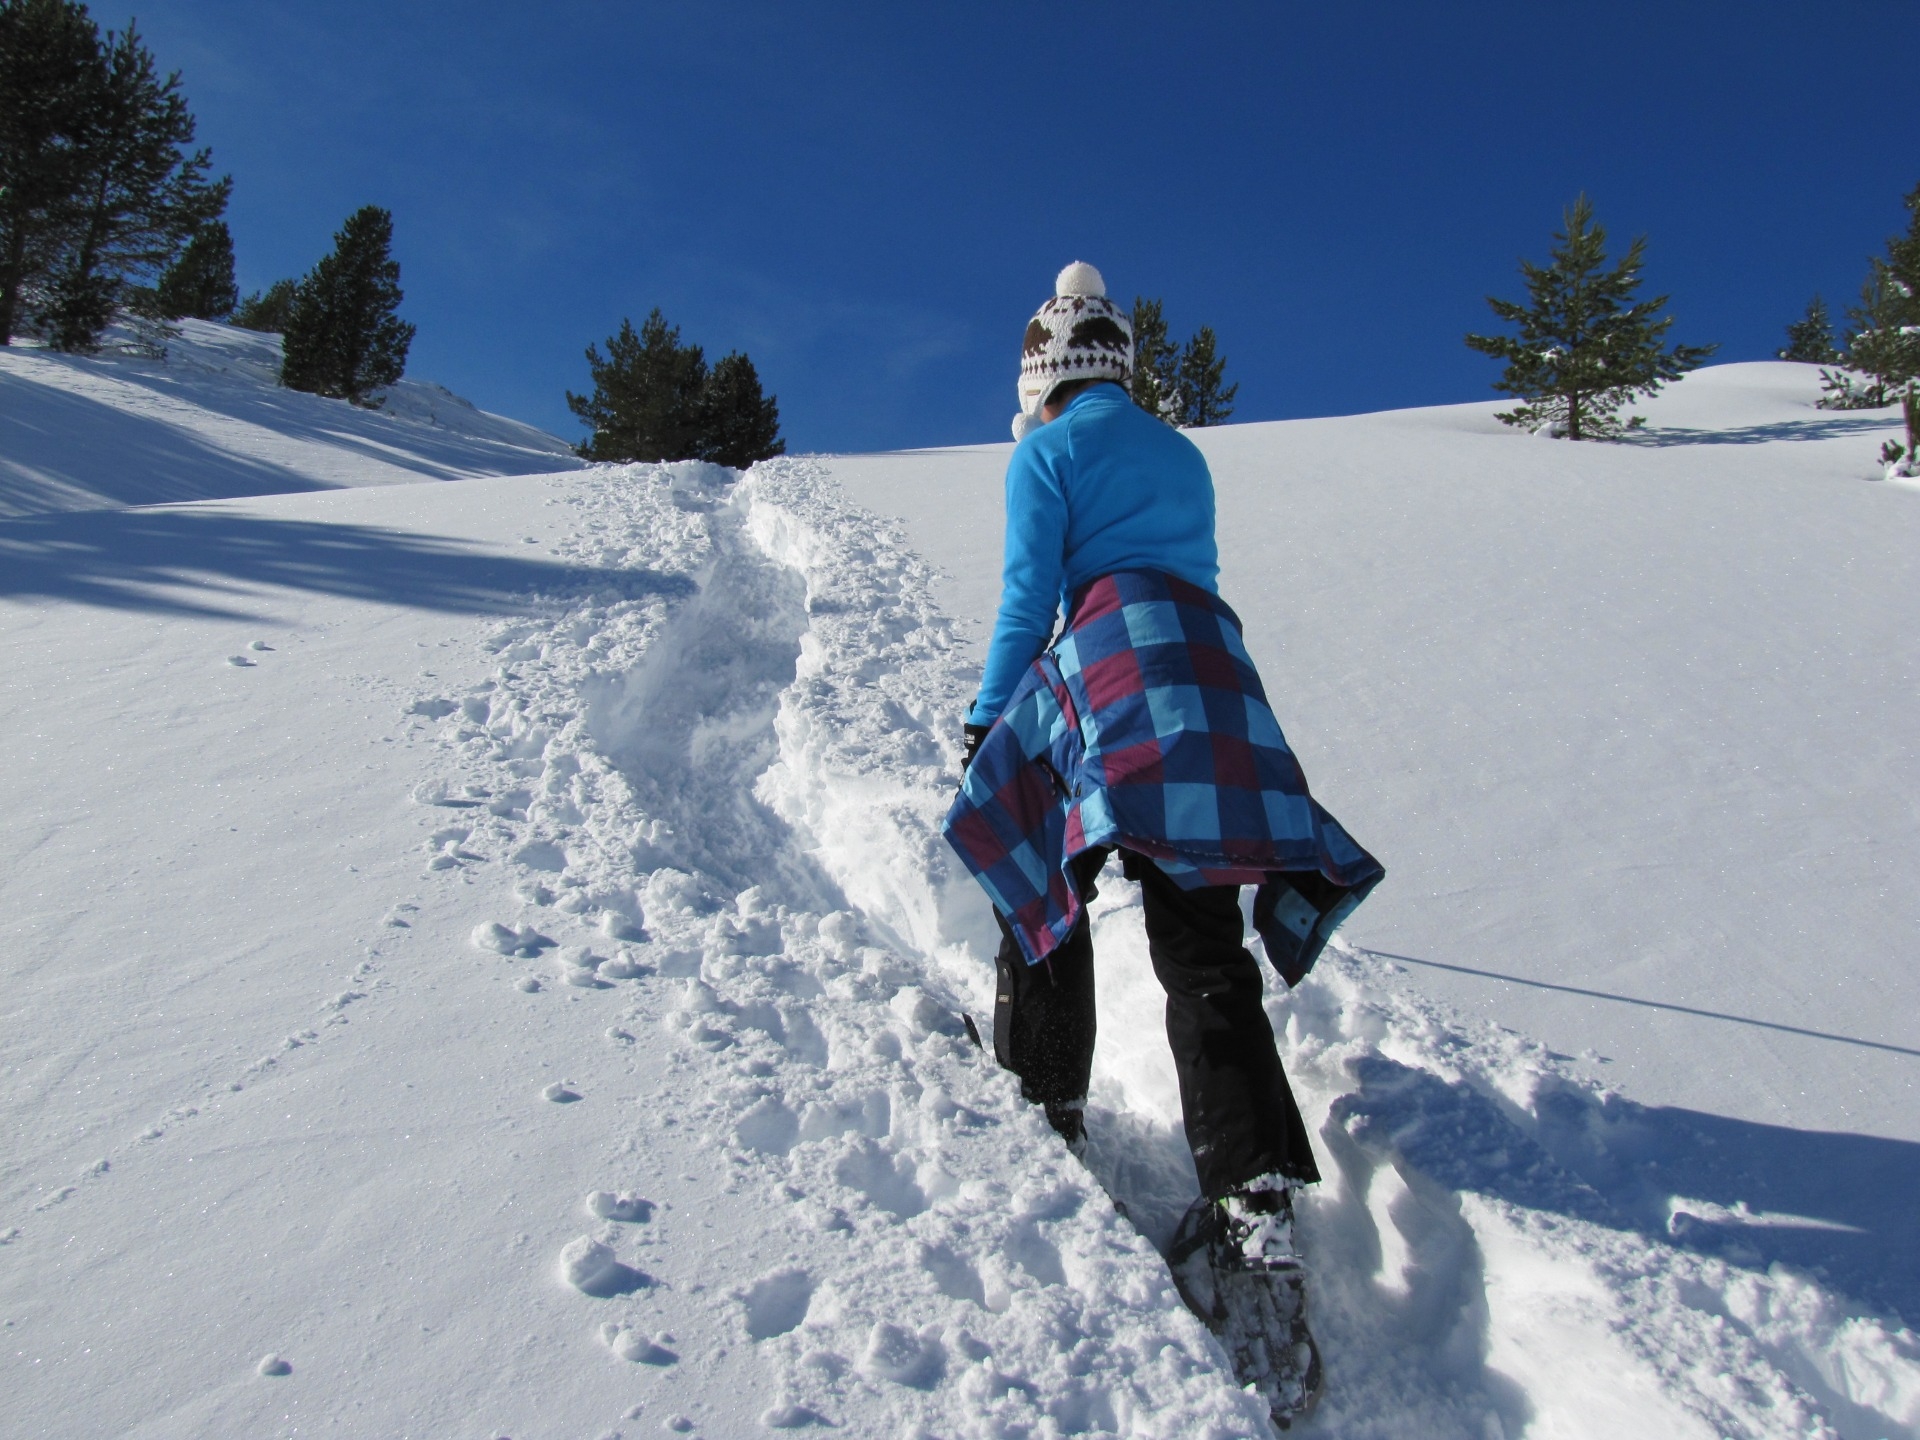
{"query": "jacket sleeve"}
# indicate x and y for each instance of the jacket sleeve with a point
(1035, 564)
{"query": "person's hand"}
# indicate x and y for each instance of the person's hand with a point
(970, 744)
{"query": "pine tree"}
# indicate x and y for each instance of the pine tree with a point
(200, 283)
(646, 395)
(343, 337)
(1884, 344)
(1156, 361)
(1810, 339)
(738, 425)
(267, 312)
(1586, 347)
(1203, 400)
(141, 195)
(49, 78)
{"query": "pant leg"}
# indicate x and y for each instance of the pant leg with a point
(1043, 1015)
(1241, 1117)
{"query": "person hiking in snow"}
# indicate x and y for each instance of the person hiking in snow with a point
(1143, 727)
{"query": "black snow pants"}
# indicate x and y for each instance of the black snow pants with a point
(1240, 1113)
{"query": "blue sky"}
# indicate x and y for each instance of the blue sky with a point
(871, 199)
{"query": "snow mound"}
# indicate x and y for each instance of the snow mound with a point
(210, 421)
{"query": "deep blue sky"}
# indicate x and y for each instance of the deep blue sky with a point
(871, 199)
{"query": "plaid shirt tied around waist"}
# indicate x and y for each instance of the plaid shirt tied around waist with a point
(1145, 726)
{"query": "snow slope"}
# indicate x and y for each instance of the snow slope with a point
(1633, 720)
(210, 422)
(488, 949)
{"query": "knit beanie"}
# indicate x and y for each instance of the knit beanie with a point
(1077, 335)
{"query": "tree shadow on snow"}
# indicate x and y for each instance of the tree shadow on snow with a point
(1837, 1205)
(60, 451)
(214, 564)
(1830, 427)
(63, 450)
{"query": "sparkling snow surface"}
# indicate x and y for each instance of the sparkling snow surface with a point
(480, 960)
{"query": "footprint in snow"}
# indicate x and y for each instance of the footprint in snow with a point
(559, 1094)
(523, 941)
(259, 646)
(240, 662)
(273, 1365)
(776, 1303)
(637, 1346)
(621, 1205)
(625, 966)
(592, 1268)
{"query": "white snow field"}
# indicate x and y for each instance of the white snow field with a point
(209, 422)
(480, 961)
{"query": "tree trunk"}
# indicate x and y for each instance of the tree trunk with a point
(1910, 404)
(10, 278)
(1573, 416)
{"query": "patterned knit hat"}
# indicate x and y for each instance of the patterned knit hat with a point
(1077, 335)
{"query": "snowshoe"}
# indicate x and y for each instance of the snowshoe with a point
(1236, 1267)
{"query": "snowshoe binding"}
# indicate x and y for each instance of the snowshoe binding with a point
(1236, 1266)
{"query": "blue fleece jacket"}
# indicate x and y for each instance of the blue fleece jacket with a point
(1103, 488)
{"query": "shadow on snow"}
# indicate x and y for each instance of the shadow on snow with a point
(209, 563)
(1834, 1204)
(1833, 427)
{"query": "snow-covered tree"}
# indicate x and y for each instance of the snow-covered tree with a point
(343, 336)
(1585, 346)
(1810, 338)
(200, 283)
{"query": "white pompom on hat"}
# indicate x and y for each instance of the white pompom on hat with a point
(1077, 335)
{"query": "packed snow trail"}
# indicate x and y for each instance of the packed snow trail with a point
(913, 1245)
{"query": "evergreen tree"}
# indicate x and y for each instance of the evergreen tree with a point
(1884, 344)
(646, 401)
(1586, 347)
(1203, 400)
(49, 83)
(266, 312)
(343, 337)
(1810, 339)
(738, 425)
(141, 195)
(200, 283)
(1156, 361)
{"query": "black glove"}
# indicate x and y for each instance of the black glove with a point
(970, 745)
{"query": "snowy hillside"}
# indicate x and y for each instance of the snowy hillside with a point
(210, 422)
(479, 959)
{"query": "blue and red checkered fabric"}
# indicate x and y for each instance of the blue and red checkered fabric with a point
(1146, 726)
